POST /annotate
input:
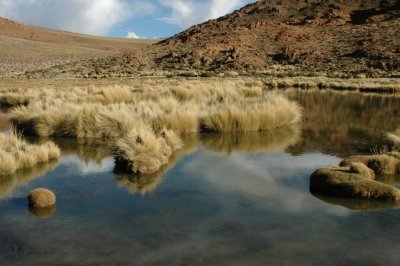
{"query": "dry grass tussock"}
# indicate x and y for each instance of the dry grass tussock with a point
(41, 198)
(394, 137)
(150, 109)
(16, 154)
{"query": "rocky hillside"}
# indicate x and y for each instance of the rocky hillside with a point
(349, 35)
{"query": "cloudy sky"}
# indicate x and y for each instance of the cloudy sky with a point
(118, 18)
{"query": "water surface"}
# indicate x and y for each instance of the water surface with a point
(223, 200)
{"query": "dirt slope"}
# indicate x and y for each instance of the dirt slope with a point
(351, 35)
(28, 48)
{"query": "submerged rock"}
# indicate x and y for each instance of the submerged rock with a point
(41, 198)
(354, 181)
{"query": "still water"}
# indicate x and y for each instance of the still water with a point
(223, 200)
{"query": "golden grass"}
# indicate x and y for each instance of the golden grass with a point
(41, 198)
(142, 152)
(151, 110)
(16, 154)
(273, 113)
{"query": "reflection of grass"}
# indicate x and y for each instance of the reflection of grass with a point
(44, 213)
(9, 183)
(148, 183)
(269, 141)
(87, 150)
(344, 124)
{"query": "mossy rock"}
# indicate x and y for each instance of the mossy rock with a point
(355, 181)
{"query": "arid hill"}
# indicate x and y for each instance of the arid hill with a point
(28, 48)
(333, 36)
(318, 35)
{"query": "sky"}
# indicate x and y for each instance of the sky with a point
(118, 18)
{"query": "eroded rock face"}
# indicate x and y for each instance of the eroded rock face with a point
(310, 33)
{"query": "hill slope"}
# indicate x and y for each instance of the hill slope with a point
(28, 48)
(351, 35)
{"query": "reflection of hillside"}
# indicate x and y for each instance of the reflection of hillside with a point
(148, 183)
(269, 141)
(344, 124)
(9, 183)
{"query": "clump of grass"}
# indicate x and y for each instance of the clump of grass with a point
(116, 94)
(41, 198)
(143, 152)
(265, 115)
(16, 154)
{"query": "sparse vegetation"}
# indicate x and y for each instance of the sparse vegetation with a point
(143, 122)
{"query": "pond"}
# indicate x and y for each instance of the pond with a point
(223, 200)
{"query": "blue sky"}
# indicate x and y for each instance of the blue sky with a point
(118, 18)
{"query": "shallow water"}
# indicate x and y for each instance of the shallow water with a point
(223, 200)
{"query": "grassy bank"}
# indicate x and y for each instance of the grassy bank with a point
(16, 154)
(145, 120)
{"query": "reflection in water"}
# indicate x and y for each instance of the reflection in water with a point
(360, 205)
(344, 124)
(44, 213)
(86, 150)
(271, 141)
(148, 183)
(23, 177)
(252, 207)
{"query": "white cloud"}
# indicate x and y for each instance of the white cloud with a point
(187, 13)
(132, 35)
(85, 16)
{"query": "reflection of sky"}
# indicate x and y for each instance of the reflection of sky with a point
(76, 165)
(277, 180)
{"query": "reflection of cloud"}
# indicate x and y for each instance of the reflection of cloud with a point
(276, 181)
(86, 168)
